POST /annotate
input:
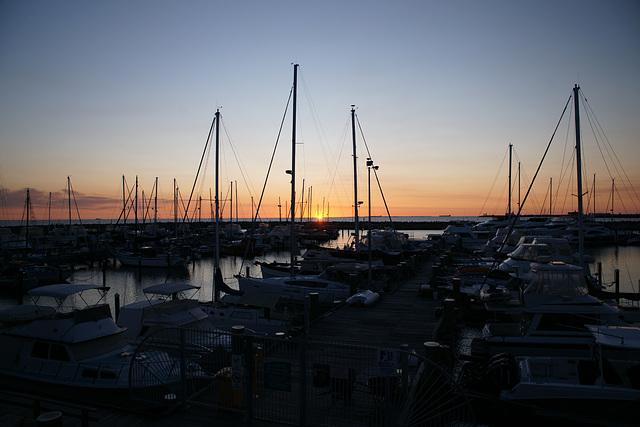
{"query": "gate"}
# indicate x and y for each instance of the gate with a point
(301, 382)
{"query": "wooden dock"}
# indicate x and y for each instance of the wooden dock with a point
(401, 316)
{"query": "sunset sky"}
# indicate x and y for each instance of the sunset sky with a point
(98, 90)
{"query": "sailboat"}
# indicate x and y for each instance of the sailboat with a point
(295, 287)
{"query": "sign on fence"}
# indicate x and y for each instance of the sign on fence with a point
(387, 362)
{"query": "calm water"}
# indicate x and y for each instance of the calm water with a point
(129, 282)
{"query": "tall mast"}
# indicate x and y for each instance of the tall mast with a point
(594, 194)
(519, 187)
(550, 196)
(155, 210)
(135, 209)
(216, 266)
(26, 236)
(613, 192)
(302, 203)
(175, 204)
(49, 224)
(124, 203)
(293, 166)
(69, 194)
(355, 177)
(576, 101)
(509, 202)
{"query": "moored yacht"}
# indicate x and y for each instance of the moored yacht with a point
(551, 316)
(76, 351)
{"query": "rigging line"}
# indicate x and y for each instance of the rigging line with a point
(614, 153)
(495, 179)
(266, 179)
(199, 166)
(75, 202)
(621, 201)
(243, 169)
(513, 223)
(314, 117)
(330, 181)
(375, 172)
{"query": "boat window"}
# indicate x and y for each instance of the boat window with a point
(564, 322)
(59, 352)
(241, 315)
(90, 373)
(40, 349)
(109, 375)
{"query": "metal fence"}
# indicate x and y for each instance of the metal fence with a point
(301, 382)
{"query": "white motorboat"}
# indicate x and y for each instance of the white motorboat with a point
(551, 316)
(64, 349)
(541, 249)
(602, 388)
(149, 257)
(259, 313)
(170, 306)
(296, 288)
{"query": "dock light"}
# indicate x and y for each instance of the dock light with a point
(288, 172)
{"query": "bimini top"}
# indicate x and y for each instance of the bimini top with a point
(169, 288)
(63, 290)
(557, 279)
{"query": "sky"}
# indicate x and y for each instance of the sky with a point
(94, 93)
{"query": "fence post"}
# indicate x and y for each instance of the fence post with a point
(183, 367)
(249, 364)
(303, 381)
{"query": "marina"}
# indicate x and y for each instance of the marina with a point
(412, 315)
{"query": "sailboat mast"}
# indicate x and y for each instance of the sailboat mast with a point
(293, 166)
(355, 177)
(26, 236)
(49, 209)
(69, 194)
(216, 266)
(124, 203)
(175, 204)
(613, 193)
(594, 194)
(135, 209)
(576, 101)
(550, 196)
(509, 202)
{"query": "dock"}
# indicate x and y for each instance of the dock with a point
(402, 316)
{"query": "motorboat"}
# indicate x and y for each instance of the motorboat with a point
(149, 257)
(551, 317)
(602, 388)
(258, 313)
(541, 249)
(296, 288)
(166, 308)
(66, 349)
